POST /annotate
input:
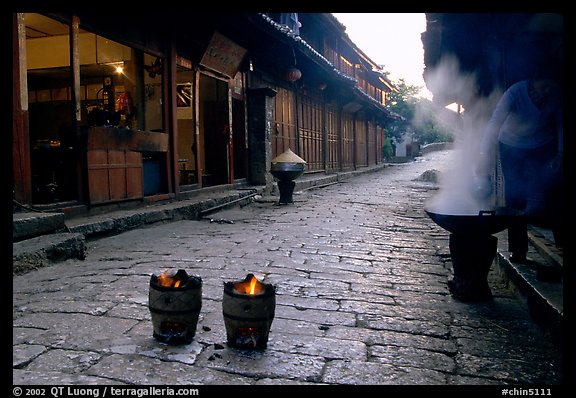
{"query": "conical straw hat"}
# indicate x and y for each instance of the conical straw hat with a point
(288, 157)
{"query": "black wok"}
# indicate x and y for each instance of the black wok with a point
(486, 222)
(286, 170)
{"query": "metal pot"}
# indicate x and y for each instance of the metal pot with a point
(285, 171)
(486, 222)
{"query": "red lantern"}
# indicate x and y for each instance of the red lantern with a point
(293, 74)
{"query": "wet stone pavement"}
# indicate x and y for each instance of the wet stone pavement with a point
(361, 277)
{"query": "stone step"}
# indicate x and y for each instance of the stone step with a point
(32, 224)
(42, 239)
(544, 296)
(44, 250)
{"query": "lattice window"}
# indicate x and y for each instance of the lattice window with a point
(361, 149)
(347, 141)
(332, 142)
(284, 125)
(311, 122)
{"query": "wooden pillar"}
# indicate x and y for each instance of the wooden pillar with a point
(197, 142)
(169, 109)
(79, 145)
(21, 173)
(260, 117)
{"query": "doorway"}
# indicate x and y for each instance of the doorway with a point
(215, 132)
(187, 146)
(239, 139)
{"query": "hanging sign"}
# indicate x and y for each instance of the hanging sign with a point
(223, 55)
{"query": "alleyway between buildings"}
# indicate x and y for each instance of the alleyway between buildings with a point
(361, 278)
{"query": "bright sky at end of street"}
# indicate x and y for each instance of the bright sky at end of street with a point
(393, 41)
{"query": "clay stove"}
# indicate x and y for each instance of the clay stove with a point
(248, 307)
(175, 301)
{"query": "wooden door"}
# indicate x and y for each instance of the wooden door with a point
(114, 175)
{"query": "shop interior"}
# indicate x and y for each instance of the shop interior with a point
(119, 87)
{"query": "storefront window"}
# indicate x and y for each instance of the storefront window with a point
(120, 87)
(51, 128)
(106, 93)
(152, 82)
(123, 92)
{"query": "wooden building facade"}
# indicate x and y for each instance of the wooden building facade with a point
(129, 109)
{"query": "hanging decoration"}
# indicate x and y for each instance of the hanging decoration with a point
(293, 73)
(156, 68)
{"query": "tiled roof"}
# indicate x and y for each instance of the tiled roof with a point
(307, 49)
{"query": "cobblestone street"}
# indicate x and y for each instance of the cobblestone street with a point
(361, 276)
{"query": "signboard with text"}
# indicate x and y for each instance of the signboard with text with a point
(223, 55)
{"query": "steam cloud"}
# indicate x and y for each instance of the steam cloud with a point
(459, 185)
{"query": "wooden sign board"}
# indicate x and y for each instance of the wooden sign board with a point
(223, 55)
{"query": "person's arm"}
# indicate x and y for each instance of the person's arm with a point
(490, 138)
(499, 115)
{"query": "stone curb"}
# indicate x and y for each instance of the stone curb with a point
(37, 252)
(544, 299)
(30, 224)
(112, 224)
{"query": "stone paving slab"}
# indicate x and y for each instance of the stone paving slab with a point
(360, 273)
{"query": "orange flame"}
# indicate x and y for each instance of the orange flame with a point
(168, 281)
(250, 285)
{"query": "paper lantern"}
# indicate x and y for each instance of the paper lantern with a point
(293, 74)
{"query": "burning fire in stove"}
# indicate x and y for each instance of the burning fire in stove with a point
(250, 285)
(166, 280)
(175, 301)
(248, 307)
